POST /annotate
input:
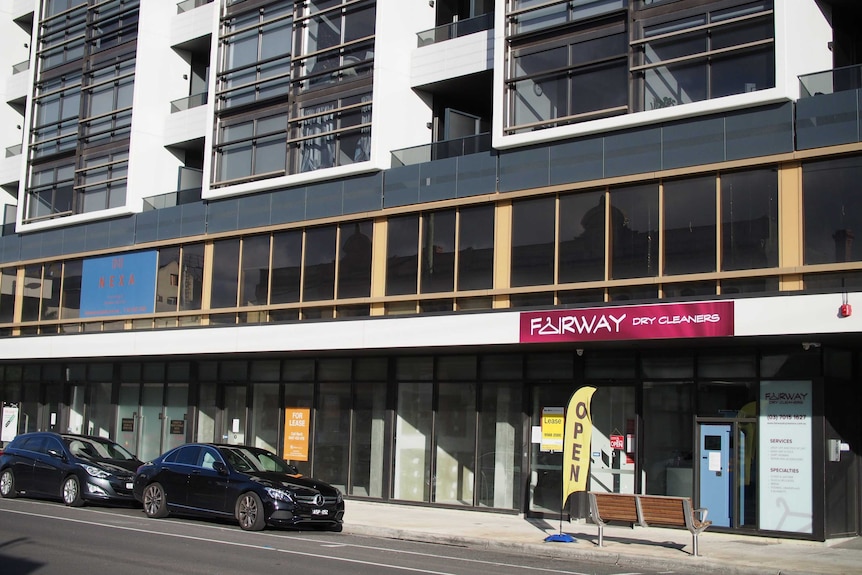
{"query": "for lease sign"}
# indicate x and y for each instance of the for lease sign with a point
(679, 320)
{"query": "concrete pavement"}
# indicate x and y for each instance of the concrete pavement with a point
(629, 548)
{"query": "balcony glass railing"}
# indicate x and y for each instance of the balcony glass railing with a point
(830, 81)
(13, 151)
(190, 5)
(21, 67)
(442, 150)
(456, 29)
(189, 102)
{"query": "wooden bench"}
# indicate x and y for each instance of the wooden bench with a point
(646, 511)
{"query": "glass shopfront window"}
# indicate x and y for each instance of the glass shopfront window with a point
(533, 237)
(634, 232)
(689, 226)
(832, 210)
(749, 219)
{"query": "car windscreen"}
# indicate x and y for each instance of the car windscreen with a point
(94, 449)
(246, 460)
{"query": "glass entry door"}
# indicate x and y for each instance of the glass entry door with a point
(151, 417)
(615, 439)
(613, 451)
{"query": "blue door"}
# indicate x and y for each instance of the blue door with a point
(716, 472)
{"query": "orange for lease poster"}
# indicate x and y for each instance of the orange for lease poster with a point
(296, 426)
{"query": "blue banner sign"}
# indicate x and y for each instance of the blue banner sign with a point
(123, 284)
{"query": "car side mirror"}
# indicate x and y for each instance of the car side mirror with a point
(57, 454)
(220, 467)
(292, 470)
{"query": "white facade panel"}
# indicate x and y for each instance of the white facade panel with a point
(797, 315)
(185, 125)
(193, 24)
(161, 76)
(805, 315)
(452, 59)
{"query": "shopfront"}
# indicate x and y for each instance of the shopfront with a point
(745, 428)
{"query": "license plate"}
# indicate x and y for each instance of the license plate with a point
(320, 511)
(129, 485)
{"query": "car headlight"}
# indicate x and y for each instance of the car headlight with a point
(280, 494)
(339, 497)
(96, 472)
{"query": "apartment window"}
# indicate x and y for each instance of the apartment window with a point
(573, 76)
(333, 133)
(337, 43)
(256, 55)
(62, 33)
(689, 226)
(51, 191)
(706, 52)
(191, 277)
(113, 23)
(534, 15)
(101, 182)
(634, 231)
(252, 147)
(108, 103)
(749, 219)
(832, 210)
(56, 110)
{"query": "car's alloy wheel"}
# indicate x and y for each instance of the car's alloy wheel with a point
(72, 492)
(249, 512)
(155, 504)
(7, 484)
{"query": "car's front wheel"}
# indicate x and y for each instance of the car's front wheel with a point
(7, 484)
(155, 503)
(72, 492)
(249, 512)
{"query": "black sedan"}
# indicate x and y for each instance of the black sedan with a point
(252, 485)
(75, 468)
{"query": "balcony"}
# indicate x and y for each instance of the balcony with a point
(189, 102)
(442, 150)
(456, 29)
(829, 107)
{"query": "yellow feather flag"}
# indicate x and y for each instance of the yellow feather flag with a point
(576, 442)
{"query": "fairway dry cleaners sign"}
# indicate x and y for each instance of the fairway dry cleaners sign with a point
(682, 320)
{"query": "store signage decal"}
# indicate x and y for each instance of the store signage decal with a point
(683, 320)
(119, 285)
(296, 433)
(785, 445)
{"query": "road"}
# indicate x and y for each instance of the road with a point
(43, 537)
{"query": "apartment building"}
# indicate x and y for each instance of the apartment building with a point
(389, 239)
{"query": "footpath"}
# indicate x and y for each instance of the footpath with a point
(658, 549)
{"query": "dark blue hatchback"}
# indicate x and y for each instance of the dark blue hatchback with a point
(74, 468)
